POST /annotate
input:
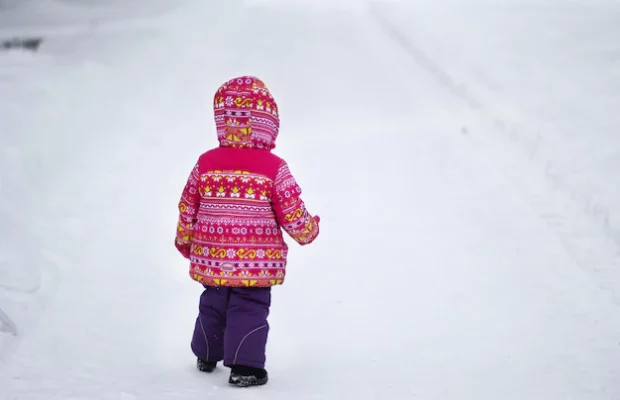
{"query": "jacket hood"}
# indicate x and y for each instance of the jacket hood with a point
(246, 114)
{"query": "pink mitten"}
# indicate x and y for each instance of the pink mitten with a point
(184, 249)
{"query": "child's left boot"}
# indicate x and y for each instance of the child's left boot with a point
(205, 366)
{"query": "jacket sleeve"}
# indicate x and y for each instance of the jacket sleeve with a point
(188, 209)
(290, 209)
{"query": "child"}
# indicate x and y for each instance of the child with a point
(236, 199)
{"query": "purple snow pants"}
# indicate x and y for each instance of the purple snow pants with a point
(232, 326)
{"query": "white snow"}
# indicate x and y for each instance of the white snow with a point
(463, 158)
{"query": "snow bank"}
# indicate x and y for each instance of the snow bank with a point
(68, 17)
(46, 135)
(39, 176)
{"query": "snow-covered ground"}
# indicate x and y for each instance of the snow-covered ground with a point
(546, 76)
(463, 160)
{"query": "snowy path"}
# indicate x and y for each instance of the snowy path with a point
(441, 281)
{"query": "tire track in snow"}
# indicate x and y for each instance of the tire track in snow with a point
(422, 59)
(580, 237)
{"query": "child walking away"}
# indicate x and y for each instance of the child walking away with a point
(238, 198)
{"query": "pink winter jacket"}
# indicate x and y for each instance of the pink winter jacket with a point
(239, 196)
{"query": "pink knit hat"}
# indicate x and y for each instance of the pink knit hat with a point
(246, 114)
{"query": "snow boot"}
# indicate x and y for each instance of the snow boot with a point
(242, 376)
(205, 366)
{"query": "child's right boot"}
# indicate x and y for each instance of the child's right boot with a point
(242, 376)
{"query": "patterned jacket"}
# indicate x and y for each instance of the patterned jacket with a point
(239, 196)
